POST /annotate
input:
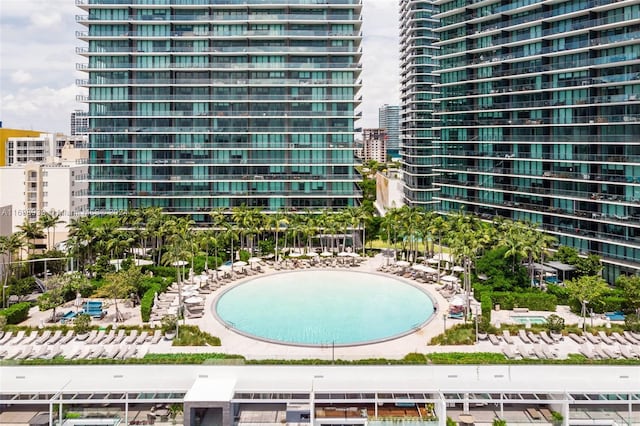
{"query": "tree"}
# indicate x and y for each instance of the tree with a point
(53, 297)
(49, 220)
(590, 265)
(586, 289)
(630, 286)
(32, 231)
(120, 285)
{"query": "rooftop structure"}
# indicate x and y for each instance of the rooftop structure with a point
(389, 119)
(326, 395)
(374, 143)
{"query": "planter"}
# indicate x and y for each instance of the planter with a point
(482, 336)
(82, 336)
(557, 336)
(169, 335)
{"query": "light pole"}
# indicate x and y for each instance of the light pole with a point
(477, 313)
(584, 314)
(444, 319)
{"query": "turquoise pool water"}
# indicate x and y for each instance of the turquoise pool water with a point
(531, 319)
(324, 308)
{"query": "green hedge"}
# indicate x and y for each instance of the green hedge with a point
(161, 271)
(486, 305)
(535, 301)
(146, 303)
(17, 313)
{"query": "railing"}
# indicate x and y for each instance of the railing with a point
(246, 49)
(220, 17)
(217, 2)
(230, 129)
(114, 177)
(214, 65)
(213, 34)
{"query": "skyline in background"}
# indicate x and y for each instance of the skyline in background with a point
(38, 62)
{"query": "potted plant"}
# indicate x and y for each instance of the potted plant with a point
(169, 324)
(555, 325)
(82, 325)
(3, 324)
(484, 328)
(556, 418)
(499, 422)
(174, 410)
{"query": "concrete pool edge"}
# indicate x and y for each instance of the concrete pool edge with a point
(400, 280)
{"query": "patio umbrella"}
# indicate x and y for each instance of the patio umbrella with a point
(449, 278)
(193, 300)
(78, 302)
(429, 270)
(189, 293)
(295, 254)
(312, 254)
(179, 263)
(457, 269)
(240, 263)
(254, 260)
(403, 263)
(457, 301)
(224, 268)
(433, 261)
(418, 267)
(326, 254)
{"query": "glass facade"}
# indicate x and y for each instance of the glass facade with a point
(389, 119)
(199, 104)
(417, 97)
(540, 118)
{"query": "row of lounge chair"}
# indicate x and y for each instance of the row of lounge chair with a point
(49, 337)
(535, 351)
(524, 337)
(78, 352)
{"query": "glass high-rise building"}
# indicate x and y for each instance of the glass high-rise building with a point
(198, 104)
(417, 78)
(540, 118)
(389, 119)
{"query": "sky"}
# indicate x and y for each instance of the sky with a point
(38, 61)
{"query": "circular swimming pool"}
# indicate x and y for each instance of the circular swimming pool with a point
(323, 308)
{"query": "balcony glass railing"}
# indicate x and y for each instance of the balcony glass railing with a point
(217, 2)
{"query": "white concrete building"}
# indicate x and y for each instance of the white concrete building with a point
(34, 188)
(375, 145)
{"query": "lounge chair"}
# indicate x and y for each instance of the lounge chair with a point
(630, 338)
(13, 353)
(132, 337)
(609, 352)
(533, 337)
(538, 352)
(44, 337)
(545, 338)
(506, 336)
(40, 352)
(534, 413)
(586, 350)
(31, 338)
(55, 338)
(7, 336)
(546, 413)
(122, 334)
(591, 338)
(142, 338)
(626, 352)
(67, 337)
(547, 352)
(109, 337)
(525, 352)
(157, 336)
(576, 338)
(89, 338)
(506, 350)
(130, 353)
(55, 351)
(619, 338)
(605, 339)
(26, 353)
(73, 353)
(600, 353)
(523, 336)
(85, 352)
(97, 352)
(18, 337)
(99, 338)
(494, 339)
(112, 352)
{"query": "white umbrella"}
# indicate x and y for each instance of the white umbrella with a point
(142, 262)
(449, 278)
(193, 299)
(312, 254)
(429, 270)
(326, 254)
(224, 268)
(433, 261)
(254, 260)
(295, 254)
(418, 267)
(189, 293)
(179, 263)
(403, 263)
(457, 269)
(354, 254)
(240, 263)
(457, 301)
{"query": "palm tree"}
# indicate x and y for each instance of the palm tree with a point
(81, 234)
(49, 220)
(32, 231)
(275, 221)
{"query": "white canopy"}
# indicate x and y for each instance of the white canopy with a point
(449, 278)
(326, 254)
(457, 269)
(403, 263)
(240, 263)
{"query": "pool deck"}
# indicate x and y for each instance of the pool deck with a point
(234, 343)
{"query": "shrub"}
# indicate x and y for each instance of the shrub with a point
(632, 323)
(169, 323)
(451, 422)
(536, 301)
(146, 303)
(555, 323)
(3, 322)
(82, 324)
(161, 271)
(561, 293)
(608, 304)
(485, 305)
(191, 335)
(17, 313)
(499, 422)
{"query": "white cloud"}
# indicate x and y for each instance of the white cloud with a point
(20, 77)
